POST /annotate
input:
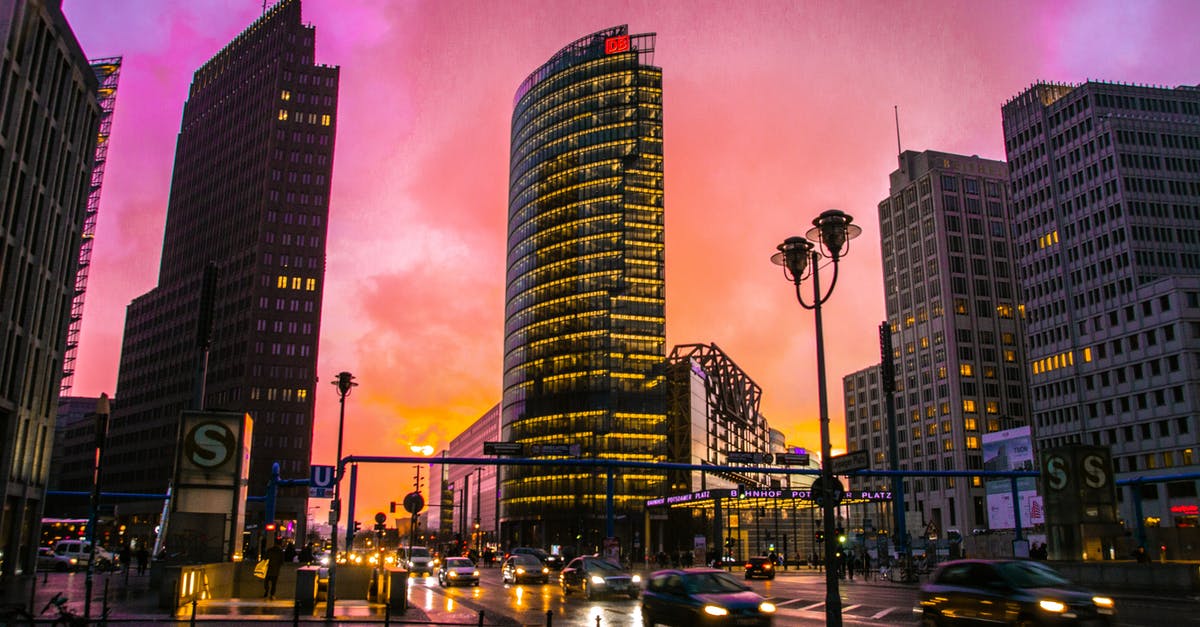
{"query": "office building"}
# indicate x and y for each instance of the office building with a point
(249, 199)
(48, 120)
(471, 513)
(1106, 203)
(584, 306)
(954, 311)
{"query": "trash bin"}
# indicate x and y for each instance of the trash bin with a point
(397, 589)
(306, 587)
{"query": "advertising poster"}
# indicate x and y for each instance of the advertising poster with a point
(1011, 449)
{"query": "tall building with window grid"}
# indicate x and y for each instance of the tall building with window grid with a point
(1106, 207)
(50, 116)
(250, 194)
(585, 335)
(954, 310)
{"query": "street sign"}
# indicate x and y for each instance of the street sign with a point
(553, 449)
(831, 495)
(740, 457)
(503, 448)
(380, 518)
(791, 459)
(414, 503)
(320, 482)
(856, 460)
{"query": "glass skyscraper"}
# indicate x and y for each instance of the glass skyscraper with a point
(584, 304)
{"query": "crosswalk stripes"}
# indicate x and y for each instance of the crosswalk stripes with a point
(858, 610)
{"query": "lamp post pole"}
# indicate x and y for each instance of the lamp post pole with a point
(345, 383)
(478, 512)
(801, 258)
(102, 413)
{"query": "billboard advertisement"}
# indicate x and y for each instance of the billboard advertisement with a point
(1011, 449)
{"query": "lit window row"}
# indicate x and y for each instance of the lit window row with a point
(299, 395)
(296, 282)
(300, 116)
(1054, 362)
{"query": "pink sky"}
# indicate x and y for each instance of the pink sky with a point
(774, 112)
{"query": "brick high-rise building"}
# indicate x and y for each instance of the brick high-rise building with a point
(250, 195)
(1106, 198)
(954, 310)
(48, 120)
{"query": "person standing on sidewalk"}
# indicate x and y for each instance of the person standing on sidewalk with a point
(274, 557)
(143, 558)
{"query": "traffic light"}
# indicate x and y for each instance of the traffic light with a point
(841, 535)
(819, 536)
(392, 507)
(270, 526)
(357, 526)
(728, 542)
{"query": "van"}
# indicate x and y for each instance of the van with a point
(81, 552)
(417, 560)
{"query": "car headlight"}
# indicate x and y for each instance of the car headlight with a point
(1050, 605)
(766, 607)
(637, 579)
(475, 574)
(598, 580)
(452, 574)
(545, 571)
(715, 610)
(1102, 601)
(520, 571)
(768, 566)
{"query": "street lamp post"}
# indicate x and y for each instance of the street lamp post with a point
(345, 383)
(102, 413)
(800, 258)
(478, 511)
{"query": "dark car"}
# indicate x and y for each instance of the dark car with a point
(596, 577)
(457, 571)
(1008, 592)
(520, 568)
(551, 560)
(702, 596)
(760, 567)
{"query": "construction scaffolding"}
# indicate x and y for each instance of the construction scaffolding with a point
(107, 71)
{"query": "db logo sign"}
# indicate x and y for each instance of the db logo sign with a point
(613, 45)
(209, 444)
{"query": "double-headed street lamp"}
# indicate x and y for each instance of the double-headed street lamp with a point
(345, 383)
(801, 258)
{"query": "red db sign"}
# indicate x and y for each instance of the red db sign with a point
(613, 45)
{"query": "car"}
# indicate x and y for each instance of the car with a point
(81, 552)
(596, 577)
(1008, 592)
(457, 571)
(553, 561)
(47, 559)
(417, 560)
(760, 567)
(520, 568)
(702, 596)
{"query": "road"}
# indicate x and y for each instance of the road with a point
(798, 595)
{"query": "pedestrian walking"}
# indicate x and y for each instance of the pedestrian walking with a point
(126, 558)
(143, 558)
(274, 557)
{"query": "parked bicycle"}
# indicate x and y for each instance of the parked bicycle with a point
(67, 617)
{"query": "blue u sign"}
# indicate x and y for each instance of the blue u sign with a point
(320, 477)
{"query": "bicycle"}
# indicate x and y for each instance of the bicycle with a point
(67, 617)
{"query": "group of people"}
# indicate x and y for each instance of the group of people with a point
(142, 556)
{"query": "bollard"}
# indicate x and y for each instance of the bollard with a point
(597, 621)
(195, 602)
(295, 613)
(104, 607)
(387, 614)
(549, 618)
(480, 618)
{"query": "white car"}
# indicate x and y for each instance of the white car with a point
(81, 552)
(47, 559)
(457, 571)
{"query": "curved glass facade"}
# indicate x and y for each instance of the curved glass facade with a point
(585, 334)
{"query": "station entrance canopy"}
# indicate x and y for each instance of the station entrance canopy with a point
(763, 497)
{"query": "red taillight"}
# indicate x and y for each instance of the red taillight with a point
(748, 565)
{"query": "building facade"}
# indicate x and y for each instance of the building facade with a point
(1106, 201)
(475, 506)
(953, 306)
(249, 199)
(585, 300)
(48, 120)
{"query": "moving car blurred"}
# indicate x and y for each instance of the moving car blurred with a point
(1009, 592)
(760, 567)
(597, 577)
(521, 567)
(702, 596)
(456, 571)
(81, 552)
(47, 559)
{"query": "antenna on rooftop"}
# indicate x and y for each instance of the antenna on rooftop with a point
(896, 108)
